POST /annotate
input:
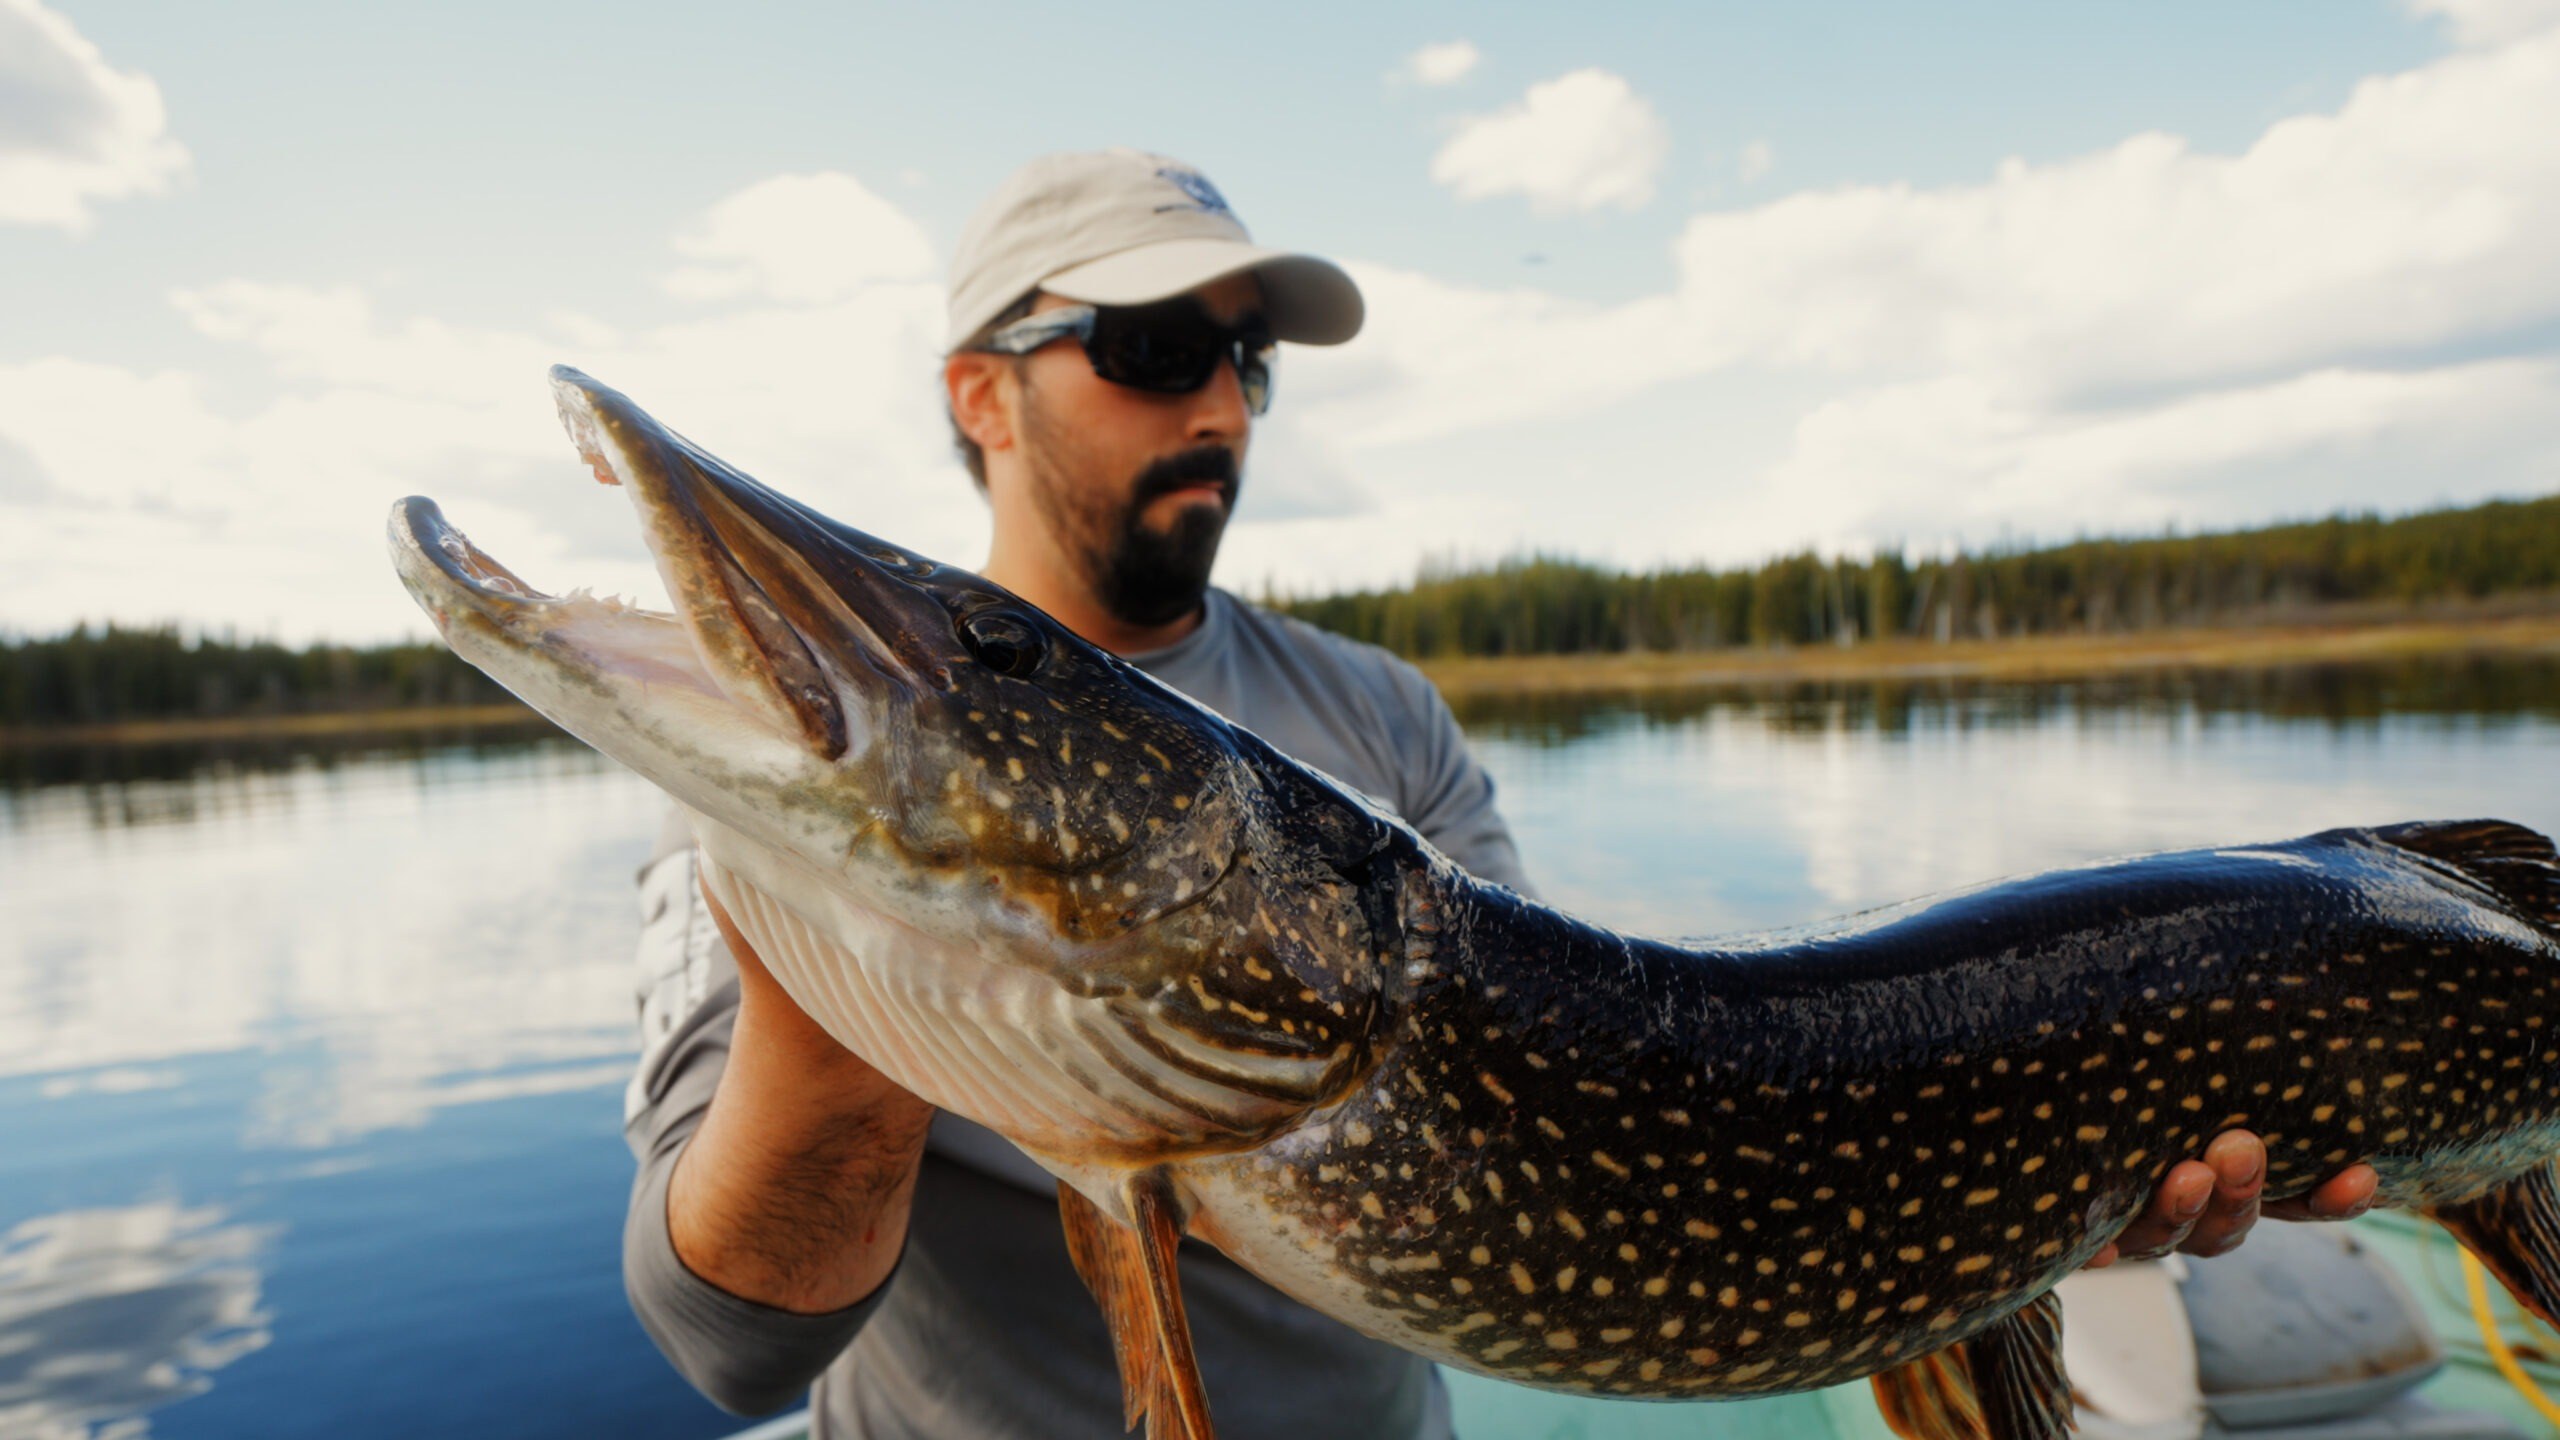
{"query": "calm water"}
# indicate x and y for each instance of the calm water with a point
(311, 1063)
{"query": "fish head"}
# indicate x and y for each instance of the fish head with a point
(903, 753)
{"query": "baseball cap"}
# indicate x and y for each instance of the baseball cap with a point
(1124, 227)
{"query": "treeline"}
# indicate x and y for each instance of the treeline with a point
(93, 676)
(1547, 606)
(1533, 606)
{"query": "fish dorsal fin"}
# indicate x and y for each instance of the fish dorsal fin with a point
(2003, 1384)
(1131, 1274)
(2511, 862)
(2515, 1230)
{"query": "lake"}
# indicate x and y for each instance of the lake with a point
(311, 1060)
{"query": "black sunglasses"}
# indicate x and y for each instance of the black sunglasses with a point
(1170, 348)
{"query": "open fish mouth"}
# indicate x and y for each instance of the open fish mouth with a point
(787, 616)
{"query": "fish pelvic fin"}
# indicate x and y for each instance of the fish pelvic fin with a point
(2515, 1230)
(2517, 865)
(2017, 1373)
(1132, 1276)
(1931, 1398)
(2003, 1384)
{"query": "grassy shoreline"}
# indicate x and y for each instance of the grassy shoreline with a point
(2039, 657)
(331, 724)
(2043, 657)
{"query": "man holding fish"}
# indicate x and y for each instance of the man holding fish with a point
(799, 1218)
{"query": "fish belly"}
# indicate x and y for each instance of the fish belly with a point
(1071, 1079)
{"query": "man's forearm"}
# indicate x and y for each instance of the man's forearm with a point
(794, 1190)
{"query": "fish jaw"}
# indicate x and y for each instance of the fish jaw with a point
(628, 681)
(1028, 882)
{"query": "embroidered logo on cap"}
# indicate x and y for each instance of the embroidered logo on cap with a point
(1204, 196)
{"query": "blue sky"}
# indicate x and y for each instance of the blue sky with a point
(1656, 284)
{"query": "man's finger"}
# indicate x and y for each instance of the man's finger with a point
(2342, 1196)
(2239, 1165)
(2176, 1204)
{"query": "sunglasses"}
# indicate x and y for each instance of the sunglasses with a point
(1170, 348)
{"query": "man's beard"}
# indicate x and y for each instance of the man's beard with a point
(1144, 577)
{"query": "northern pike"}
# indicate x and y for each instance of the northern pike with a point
(1217, 994)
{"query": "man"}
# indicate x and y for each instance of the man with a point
(797, 1217)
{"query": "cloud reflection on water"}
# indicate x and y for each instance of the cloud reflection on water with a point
(395, 935)
(1712, 812)
(109, 1312)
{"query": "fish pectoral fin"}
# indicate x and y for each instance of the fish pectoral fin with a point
(2003, 1384)
(2515, 1230)
(1132, 1276)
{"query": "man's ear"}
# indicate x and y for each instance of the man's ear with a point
(980, 388)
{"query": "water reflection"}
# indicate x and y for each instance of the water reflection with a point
(26, 766)
(176, 782)
(107, 1313)
(1709, 811)
(380, 994)
(397, 933)
(2462, 688)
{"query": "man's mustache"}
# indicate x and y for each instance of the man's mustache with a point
(1209, 464)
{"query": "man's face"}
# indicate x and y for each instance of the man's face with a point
(1136, 487)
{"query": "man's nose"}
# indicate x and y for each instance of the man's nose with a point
(1217, 409)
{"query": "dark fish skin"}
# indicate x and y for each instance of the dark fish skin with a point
(1595, 1163)
(1216, 994)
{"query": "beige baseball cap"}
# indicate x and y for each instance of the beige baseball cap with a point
(1123, 227)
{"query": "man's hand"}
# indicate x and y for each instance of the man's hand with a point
(794, 1191)
(2205, 1207)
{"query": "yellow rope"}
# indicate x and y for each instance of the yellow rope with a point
(2476, 1280)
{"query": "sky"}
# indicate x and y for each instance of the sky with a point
(1667, 284)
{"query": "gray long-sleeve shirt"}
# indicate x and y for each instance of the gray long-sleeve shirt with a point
(984, 1331)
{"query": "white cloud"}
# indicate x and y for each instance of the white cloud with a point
(2354, 308)
(2426, 210)
(1445, 63)
(270, 515)
(2491, 22)
(73, 130)
(801, 239)
(1755, 161)
(2146, 333)
(1581, 141)
(1956, 455)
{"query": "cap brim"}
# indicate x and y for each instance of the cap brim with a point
(1305, 299)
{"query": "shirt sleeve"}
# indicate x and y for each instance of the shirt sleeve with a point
(1449, 797)
(747, 1358)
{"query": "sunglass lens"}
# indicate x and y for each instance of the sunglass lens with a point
(1253, 373)
(1167, 351)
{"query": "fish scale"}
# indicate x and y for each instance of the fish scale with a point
(1215, 993)
(1633, 1168)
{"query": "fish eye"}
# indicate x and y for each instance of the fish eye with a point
(1004, 642)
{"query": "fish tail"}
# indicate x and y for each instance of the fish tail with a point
(2517, 865)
